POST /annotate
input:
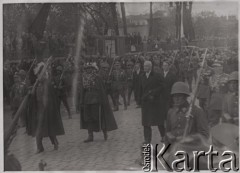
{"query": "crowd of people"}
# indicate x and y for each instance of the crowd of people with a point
(160, 81)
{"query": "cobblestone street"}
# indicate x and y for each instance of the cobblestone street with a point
(119, 152)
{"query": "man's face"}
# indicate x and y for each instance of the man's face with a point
(165, 66)
(233, 86)
(17, 79)
(179, 99)
(147, 67)
(137, 66)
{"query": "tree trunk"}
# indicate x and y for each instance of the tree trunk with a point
(124, 18)
(114, 17)
(150, 20)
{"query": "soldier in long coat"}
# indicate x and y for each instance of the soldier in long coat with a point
(96, 113)
(43, 117)
(151, 90)
(119, 80)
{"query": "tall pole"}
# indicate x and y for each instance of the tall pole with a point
(124, 18)
(150, 20)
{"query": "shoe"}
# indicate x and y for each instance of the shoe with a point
(56, 147)
(138, 106)
(125, 107)
(70, 117)
(88, 140)
(105, 136)
(39, 151)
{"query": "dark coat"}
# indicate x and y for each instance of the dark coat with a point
(108, 122)
(137, 85)
(151, 90)
(44, 119)
(168, 82)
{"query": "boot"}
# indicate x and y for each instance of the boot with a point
(105, 135)
(90, 137)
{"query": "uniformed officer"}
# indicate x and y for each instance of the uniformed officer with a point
(203, 93)
(95, 113)
(217, 84)
(230, 101)
(18, 92)
(118, 78)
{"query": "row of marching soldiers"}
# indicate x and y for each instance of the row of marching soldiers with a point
(98, 80)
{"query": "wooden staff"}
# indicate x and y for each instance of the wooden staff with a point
(188, 115)
(64, 70)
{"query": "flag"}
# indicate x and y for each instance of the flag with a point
(38, 26)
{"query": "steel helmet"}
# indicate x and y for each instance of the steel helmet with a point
(180, 88)
(233, 76)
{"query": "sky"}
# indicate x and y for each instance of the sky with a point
(220, 8)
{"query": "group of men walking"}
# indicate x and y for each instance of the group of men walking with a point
(161, 88)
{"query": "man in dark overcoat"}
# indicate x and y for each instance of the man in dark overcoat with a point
(95, 111)
(169, 78)
(43, 117)
(151, 90)
(137, 83)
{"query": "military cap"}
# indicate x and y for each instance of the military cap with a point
(216, 65)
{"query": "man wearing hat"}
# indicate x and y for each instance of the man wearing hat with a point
(95, 111)
(176, 118)
(230, 101)
(17, 94)
(118, 78)
(218, 87)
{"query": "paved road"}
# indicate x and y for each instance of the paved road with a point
(119, 152)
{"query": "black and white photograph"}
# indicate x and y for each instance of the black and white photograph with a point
(120, 85)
